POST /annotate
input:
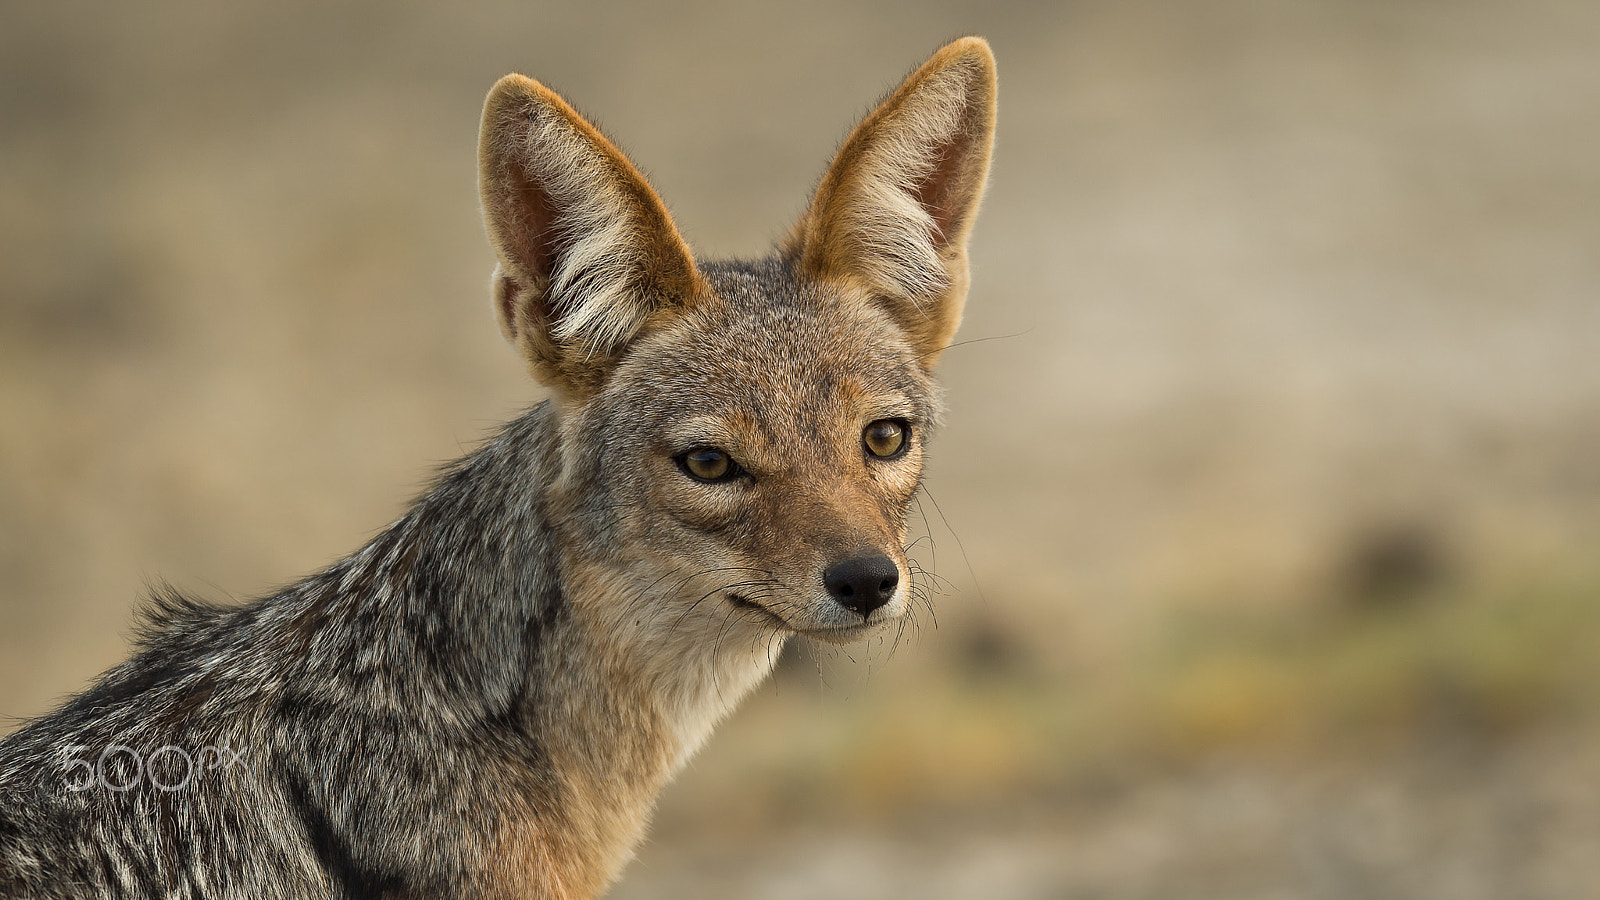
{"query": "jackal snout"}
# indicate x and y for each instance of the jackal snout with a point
(863, 583)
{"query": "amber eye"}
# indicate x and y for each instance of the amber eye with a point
(708, 464)
(886, 438)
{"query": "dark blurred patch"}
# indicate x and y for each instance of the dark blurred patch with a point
(988, 651)
(42, 81)
(797, 664)
(95, 303)
(1458, 710)
(1393, 564)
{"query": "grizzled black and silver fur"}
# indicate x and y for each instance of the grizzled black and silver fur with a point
(346, 731)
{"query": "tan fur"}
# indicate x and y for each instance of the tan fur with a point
(523, 864)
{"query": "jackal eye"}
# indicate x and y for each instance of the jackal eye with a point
(708, 464)
(886, 438)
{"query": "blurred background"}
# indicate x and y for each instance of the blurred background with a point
(1267, 517)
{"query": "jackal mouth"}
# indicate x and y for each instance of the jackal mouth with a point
(761, 613)
(832, 634)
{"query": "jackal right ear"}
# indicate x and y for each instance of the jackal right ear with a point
(587, 252)
(895, 208)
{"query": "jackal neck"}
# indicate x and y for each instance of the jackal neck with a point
(491, 608)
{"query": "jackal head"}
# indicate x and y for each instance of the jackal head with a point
(740, 442)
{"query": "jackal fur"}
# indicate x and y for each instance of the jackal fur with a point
(485, 700)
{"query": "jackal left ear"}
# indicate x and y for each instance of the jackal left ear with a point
(896, 206)
(587, 252)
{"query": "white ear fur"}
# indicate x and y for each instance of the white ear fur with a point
(586, 249)
(896, 206)
(897, 237)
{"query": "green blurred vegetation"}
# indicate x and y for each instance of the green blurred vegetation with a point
(1348, 676)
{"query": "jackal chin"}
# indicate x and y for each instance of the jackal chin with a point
(823, 621)
(848, 634)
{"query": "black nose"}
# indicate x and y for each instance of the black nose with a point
(862, 583)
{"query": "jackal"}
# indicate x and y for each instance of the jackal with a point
(485, 700)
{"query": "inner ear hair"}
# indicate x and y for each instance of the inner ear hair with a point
(586, 249)
(896, 206)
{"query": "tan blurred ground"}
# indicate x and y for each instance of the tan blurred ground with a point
(1277, 472)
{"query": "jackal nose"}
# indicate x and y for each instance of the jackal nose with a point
(862, 583)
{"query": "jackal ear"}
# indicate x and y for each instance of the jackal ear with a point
(587, 252)
(896, 206)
